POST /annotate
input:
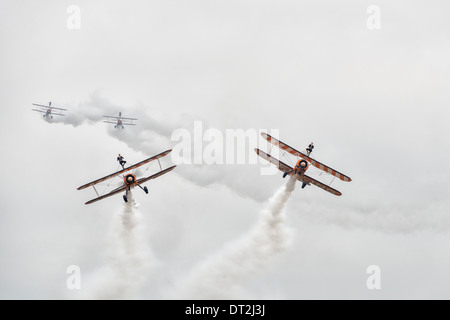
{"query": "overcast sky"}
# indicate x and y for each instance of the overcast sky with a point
(373, 98)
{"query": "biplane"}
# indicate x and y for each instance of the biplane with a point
(129, 179)
(120, 121)
(48, 110)
(301, 166)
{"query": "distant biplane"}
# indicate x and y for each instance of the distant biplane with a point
(48, 111)
(120, 121)
(129, 179)
(301, 166)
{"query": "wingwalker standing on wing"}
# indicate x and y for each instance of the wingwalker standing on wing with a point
(301, 166)
(310, 149)
(121, 161)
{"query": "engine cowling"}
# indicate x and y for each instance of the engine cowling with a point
(129, 179)
(302, 164)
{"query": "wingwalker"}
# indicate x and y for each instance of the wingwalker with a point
(301, 166)
(129, 179)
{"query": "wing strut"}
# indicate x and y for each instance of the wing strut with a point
(93, 186)
(160, 168)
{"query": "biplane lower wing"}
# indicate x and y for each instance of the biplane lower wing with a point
(319, 184)
(53, 114)
(297, 153)
(123, 123)
(156, 175)
(280, 165)
(285, 168)
(92, 183)
(116, 191)
(48, 107)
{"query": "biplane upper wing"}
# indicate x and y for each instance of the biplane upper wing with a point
(297, 153)
(48, 107)
(116, 117)
(116, 191)
(156, 175)
(134, 166)
(281, 165)
(310, 180)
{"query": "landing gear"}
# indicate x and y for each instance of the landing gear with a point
(286, 173)
(125, 198)
(303, 185)
(144, 188)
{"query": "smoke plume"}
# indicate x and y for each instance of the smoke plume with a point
(222, 275)
(129, 260)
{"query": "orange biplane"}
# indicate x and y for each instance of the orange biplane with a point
(301, 166)
(129, 179)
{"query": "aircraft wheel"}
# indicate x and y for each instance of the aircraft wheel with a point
(125, 198)
(145, 190)
(303, 185)
(285, 174)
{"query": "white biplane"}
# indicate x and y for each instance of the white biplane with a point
(129, 179)
(301, 166)
(120, 121)
(48, 111)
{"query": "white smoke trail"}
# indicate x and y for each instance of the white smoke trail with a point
(222, 275)
(129, 262)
